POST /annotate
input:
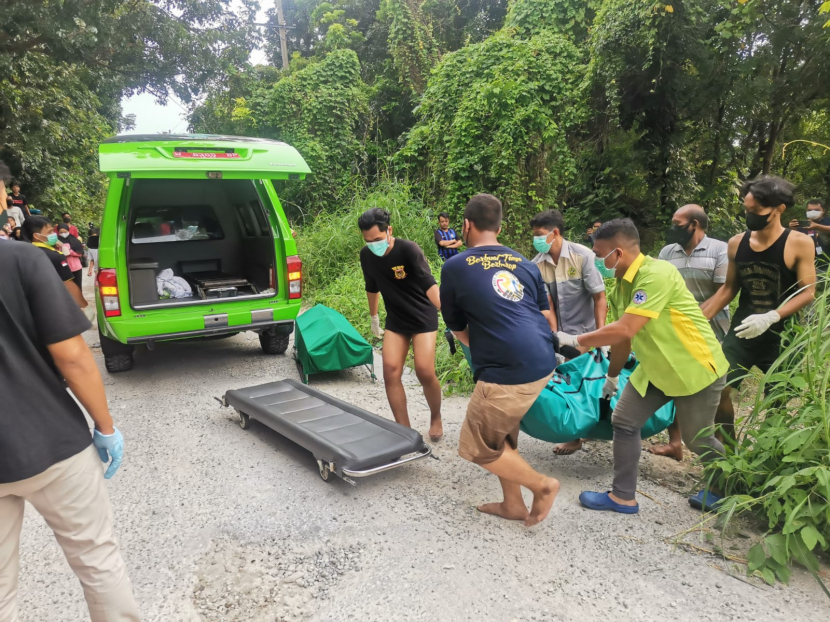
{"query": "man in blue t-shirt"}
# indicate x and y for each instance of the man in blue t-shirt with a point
(495, 302)
(446, 239)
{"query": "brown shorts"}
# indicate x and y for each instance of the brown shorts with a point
(493, 417)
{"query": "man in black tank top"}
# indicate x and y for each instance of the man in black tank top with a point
(773, 269)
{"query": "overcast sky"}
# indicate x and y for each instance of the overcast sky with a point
(153, 118)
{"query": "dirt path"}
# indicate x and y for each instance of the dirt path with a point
(218, 523)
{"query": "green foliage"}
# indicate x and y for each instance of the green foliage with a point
(68, 64)
(330, 245)
(780, 468)
(51, 132)
(568, 17)
(318, 110)
(411, 45)
(495, 118)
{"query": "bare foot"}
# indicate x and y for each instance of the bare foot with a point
(671, 450)
(500, 509)
(566, 449)
(436, 431)
(543, 502)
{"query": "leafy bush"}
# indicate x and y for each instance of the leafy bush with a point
(330, 245)
(495, 118)
(780, 468)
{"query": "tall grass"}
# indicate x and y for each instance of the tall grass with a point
(329, 245)
(779, 470)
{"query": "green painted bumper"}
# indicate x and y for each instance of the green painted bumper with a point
(141, 326)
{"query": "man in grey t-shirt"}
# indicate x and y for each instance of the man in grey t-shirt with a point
(702, 263)
(575, 287)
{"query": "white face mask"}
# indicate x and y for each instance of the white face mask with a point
(65, 235)
(813, 214)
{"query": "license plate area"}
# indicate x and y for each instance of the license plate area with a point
(216, 321)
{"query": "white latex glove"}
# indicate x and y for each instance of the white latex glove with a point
(559, 359)
(89, 312)
(609, 389)
(756, 325)
(567, 340)
(377, 331)
(606, 350)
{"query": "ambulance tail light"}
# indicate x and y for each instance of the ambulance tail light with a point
(108, 291)
(295, 277)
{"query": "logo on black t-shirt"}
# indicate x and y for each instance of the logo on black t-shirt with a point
(508, 286)
(400, 273)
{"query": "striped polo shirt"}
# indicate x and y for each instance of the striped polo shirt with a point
(577, 280)
(704, 271)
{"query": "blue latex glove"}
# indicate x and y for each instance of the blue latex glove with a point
(109, 446)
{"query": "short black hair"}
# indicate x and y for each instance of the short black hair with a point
(815, 202)
(14, 183)
(595, 221)
(65, 214)
(484, 211)
(550, 219)
(374, 216)
(622, 227)
(443, 215)
(32, 225)
(770, 191)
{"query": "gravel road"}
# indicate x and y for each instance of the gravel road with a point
(217, 523)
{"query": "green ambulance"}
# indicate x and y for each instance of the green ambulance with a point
(194, 242)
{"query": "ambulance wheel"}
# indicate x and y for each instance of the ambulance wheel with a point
(244, 420)
(273, 344)
(325, 473)
(118, 362)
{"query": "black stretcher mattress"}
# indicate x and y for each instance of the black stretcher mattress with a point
(331, 429)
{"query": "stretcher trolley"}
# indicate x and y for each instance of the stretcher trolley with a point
(344, 440)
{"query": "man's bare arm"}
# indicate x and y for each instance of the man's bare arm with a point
(727, 292)
(374, 302)
(434, 295)
(75, 292)
(600, 309)
(619, 356)
(805, 268)
(74, 360)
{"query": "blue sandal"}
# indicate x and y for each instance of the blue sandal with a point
(601, 501)
(705, 500)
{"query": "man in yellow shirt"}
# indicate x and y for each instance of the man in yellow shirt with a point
(680, 359)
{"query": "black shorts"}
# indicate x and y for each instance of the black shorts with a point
(743, 354)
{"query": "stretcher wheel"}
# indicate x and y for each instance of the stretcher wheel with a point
(325, 471)
(244, 420)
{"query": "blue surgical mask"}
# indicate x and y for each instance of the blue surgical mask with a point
(541, 244)
(606, 272)
(380, 247)
(52, 239)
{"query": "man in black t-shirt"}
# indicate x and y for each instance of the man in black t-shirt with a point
(495, 302)
(398, 270)
(47, 454)
(774, 271)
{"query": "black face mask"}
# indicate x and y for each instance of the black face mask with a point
(680, 235)
(756, 222)
(67, 219)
